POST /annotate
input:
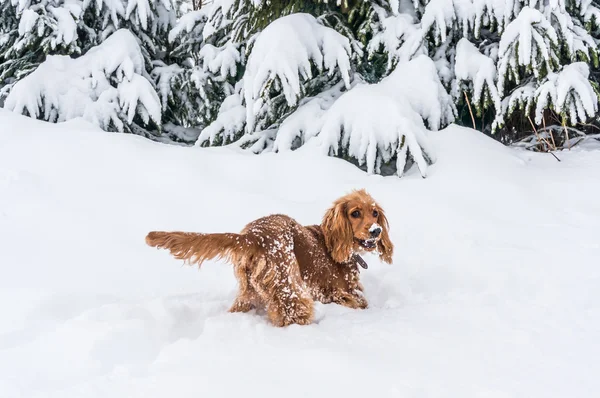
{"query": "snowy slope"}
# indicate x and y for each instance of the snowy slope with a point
(493, 291)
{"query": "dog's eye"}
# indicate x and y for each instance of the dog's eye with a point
(355, 214)
(375, 213)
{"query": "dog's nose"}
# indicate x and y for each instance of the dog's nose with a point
(376, 232)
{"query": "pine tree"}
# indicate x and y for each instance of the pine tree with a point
(205, 66)
(105, 86)
(298, 66)
(32, 30)
(249, 20)
(504, 58)
(253, 74)
(29, 30)
(9, 28)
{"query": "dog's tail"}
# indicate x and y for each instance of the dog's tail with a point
(198, 247)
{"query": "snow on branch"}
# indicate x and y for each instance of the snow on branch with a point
(140, 11)
(399, 37)
(522, 98)
(375, 129)
(417, 81)
(569, 92)
(527, 41)
(376, 125)
(572, 36)
(480, 70)
(306, 121)
(284, 53)
(105, 86)
(591, 13)
(229, 123)
(56, 26)
(443, 16)
(221, 61)
(190, 22)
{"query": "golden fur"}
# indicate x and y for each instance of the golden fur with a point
(283, 266)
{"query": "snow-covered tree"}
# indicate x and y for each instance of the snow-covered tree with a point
(31, 30)
(206, 65)
(280, 67)
(149, 21)
(106, 86)
(227, 30)
(504, 52)
(265, 64)
(379, 126)
(299, 65)
(354, 128)
(496, 55)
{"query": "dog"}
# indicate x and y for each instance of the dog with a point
(283, 267)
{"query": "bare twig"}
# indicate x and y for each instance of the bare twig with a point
(551, 134)
(564, 124)
(590, 125)
(540, 139)
(470, 110)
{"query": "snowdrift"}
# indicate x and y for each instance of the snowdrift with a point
(493, 291)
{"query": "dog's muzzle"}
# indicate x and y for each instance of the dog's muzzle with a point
(368, 243)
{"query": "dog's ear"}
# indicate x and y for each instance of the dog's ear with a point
(385, 245)
(339, 238)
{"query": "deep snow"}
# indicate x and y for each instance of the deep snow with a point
(493, 291)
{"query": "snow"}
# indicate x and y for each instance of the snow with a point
(230, 121)
(574, 36)
(66, 27)
(306, 122)
(142, 11)
(374, 227)
(571, 93)
(63, 88)
(441, 15)
(219, 14)
(188, 23)
(28, 21)
(369, 122)
(522, 96)
(480, 70)
(568, 90)
(400, 37)
(285, 50)
(493, 291)
(164, 75)
(525, 42)
(417, 81)
(221, 61)
(355, 125)
(114, 8)
(61, 20)
(590, 12)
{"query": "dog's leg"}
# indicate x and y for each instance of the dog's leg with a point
(277, 281)
(242, 304)
(350, 300)
(247, 298)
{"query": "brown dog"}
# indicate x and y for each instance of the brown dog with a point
(283, 266)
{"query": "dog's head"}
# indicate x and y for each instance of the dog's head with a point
(356, 224)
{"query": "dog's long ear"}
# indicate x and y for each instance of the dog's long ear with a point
(337, 229)
(385, 245)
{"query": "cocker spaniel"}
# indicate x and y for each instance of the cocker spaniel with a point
(283, 267)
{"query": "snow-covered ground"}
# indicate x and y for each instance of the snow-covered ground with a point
(494, 291)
